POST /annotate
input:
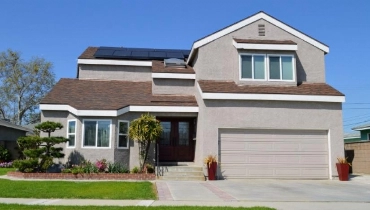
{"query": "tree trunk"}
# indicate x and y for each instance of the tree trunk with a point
(146, 154)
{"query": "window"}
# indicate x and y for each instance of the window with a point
(280, 67)
(253, 67)
(123, 134)
(368, 136)
(96, 133)
(71, 133)
(262, 67)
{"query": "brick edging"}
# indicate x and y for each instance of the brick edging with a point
(93, 176)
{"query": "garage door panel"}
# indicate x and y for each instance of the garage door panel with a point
(274, 154)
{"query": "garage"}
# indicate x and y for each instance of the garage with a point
(276, 154)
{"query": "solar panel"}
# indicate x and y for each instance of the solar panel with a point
(140, 53)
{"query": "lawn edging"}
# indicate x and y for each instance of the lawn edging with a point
(92, 176)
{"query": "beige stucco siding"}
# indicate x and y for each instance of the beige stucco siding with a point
(220, 114)
(173, 86)
(127, 73)
(219, 59)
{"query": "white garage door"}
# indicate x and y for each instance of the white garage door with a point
(285, 154)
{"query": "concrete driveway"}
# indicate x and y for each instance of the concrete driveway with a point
(356, 190)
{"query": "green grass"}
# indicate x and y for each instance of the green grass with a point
(3, 171)
(69, 189)
(25, 207)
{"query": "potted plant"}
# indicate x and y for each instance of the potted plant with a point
(343, 169)
(211, 162)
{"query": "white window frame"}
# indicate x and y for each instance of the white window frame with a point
(368, 137)
(75, 133)
(96, 137)
(118, 134)
(267, 67)
(240, 66)
(281, 67)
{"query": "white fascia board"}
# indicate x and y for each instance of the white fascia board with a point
(351, 138)
(272, 97)
(361, 129)
(164, 109)
(114, 62)
(249, 46)
(250, 20)
(115, 113)
(172, 76)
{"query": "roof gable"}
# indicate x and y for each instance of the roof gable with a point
(260, 15)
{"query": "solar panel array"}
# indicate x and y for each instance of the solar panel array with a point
(140, 53)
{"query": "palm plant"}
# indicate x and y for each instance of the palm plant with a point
(145, 130)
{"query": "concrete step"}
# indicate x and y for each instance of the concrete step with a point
(181, 168)
(187, 173)
(182, 178)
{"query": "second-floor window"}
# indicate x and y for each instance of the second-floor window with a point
(266, 67)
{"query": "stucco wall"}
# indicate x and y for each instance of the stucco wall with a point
(361, 157)
(173, 86)
(219, 59)
(128, 73)
(219, 114)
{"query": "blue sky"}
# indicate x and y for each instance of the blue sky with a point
(60, 30)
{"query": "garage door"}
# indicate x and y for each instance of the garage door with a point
(285, 154)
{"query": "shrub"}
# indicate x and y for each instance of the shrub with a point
(149, 168)
(67, 170)
(38, 153)
(116, 168)
(101, 165)
(88, 167)
(4, 154)
(135, 170)
(6, 165)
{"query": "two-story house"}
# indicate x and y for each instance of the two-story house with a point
(252, 93)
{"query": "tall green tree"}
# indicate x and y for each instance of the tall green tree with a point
(22, 86)
(145, 130)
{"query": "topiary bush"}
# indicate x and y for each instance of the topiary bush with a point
(4, 154)
(38, 152)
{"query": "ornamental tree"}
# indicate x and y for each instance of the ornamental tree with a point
(145, 130)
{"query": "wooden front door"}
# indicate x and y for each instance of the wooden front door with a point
(176, 142)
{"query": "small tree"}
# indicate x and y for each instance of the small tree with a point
(145, 130)
(38, 151)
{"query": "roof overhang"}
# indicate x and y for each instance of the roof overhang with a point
(249, 20)
(361, 129)
(115, 113)
(172, 76)
(252, 46)
(114, 62)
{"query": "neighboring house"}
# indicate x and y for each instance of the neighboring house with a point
(357, 148)
(254, 93)
(9, 133)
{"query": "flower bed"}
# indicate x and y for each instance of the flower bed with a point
(83, 176)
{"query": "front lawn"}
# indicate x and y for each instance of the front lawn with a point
(69, 189)
(25, 207)
(3, 171)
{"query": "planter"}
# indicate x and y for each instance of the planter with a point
(343, 171)
(212, 169)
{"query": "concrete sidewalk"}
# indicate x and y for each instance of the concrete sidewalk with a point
(277, 205)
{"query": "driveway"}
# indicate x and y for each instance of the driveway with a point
(356, 190)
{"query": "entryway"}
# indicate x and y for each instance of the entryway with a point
(176, 142)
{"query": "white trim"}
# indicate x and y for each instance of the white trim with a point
(75, 133)
(361, 129)
(115, 113)
(250, 46)
(118, 134)
(114, 62)
(96, 137)
(272, 97)
(329, 156)
(247, 21)
(172, 76)
(352, 138)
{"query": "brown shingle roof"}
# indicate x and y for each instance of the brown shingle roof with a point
(158, 67)
(261, 41)
(88, 53)
(110, 95)
(211, 86)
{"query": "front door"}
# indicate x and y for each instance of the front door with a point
(176, 142)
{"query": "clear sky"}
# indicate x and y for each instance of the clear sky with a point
(60, 31)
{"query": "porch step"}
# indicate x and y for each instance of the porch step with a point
(190, 173)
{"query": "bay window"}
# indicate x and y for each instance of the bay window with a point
(71, 133)
(123, 142)
(96, 133)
